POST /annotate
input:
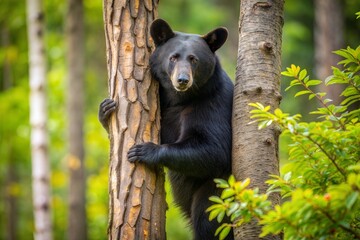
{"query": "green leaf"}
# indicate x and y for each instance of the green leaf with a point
(287, 176)
(278, 112)
(245, 183)
(313, 83)
(221, 183)
(302, 74)
(311, 96)
(216, 199)
(295, 82)
(220, 216)
(219, 229)
(264, 124)
(228, 192)
(213, 214)
(295, 69)
(287, 74)
(225, 231)
(343, 52)
(351, 199)
(302, 93)
(233, 207)
(257, 105)
(231, 180)
(327, 100)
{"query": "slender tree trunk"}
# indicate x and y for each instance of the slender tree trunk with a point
(255, 153)
(137, 197)
(329, 36)
(11, 178)
(38, 120)
(11, 202)
(75, 109)
(6, 81)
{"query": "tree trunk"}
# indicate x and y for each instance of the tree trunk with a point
(255, 153)
(11, 178)
(329, 36)
(11, 199)
(75, 110)
(38, 120)
(7, 80)
(137, 196)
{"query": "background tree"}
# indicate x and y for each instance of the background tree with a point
(329, 36)
(255, 153)
(137, 196)
(38, 121)
(11, 205)
(75, 110)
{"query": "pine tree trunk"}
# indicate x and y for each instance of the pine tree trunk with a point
(255, 153)
(75, 110)
(137, 196)
(329, 36)
(38, 120)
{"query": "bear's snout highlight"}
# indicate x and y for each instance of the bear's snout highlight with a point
(181, 77)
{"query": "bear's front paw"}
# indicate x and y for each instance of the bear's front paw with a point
(106, 108)
(144, 153)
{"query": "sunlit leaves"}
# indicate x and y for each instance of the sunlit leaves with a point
(314, 216)
(265, 118)
(238, 203)
(321, 181)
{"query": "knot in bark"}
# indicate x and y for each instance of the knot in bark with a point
(267, 47)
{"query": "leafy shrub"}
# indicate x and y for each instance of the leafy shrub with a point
(321, 183)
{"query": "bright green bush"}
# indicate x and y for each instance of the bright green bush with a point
(320, 185)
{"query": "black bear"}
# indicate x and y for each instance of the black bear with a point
(196, 106)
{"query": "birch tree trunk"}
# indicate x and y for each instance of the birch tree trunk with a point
(329, 36)
(255, 153)
(38, 120)
(75, 109)
(137, 196)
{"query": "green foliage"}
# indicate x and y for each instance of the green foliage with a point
(321, 182)
(238, 203)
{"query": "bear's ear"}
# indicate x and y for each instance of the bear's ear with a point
(160, 32)
(216, 38)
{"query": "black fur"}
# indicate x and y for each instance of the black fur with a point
(195, 123)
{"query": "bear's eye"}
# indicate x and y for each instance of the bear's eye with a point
(173, 58)
(192, 59)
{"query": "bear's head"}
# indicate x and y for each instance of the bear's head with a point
(184, 61)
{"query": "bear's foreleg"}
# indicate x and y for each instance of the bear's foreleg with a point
(189, 157)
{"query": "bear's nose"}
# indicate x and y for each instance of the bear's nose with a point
(183, 79)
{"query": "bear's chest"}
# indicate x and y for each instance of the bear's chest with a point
(173, 123)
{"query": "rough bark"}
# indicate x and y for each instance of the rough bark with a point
(137, 196)
(38, 120)
(77, 228)
(329, 36)
(255, 153)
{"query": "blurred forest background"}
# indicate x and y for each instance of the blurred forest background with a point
(201, 16)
